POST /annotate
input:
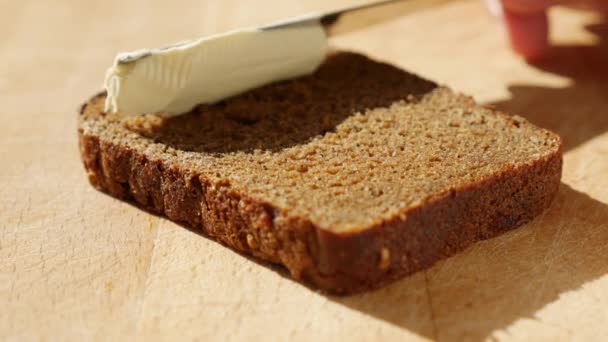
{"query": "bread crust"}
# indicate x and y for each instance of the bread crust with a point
(340, 263)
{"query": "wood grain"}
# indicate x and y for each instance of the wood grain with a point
(78, 265)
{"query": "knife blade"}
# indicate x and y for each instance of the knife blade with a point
(358, 17)
(334, 23)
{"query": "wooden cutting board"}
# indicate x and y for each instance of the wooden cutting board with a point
(78, 265)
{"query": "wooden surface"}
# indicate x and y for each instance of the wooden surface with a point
(78, 265)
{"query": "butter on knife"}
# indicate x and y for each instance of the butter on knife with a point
(173, 80)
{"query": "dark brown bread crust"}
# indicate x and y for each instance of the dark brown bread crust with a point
(341, 263)
(234, 219)
(438, 229)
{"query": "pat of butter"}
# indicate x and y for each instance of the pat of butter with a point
(173, 80)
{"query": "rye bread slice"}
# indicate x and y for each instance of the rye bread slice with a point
(353, 177)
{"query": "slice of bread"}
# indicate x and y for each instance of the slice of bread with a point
(351, 178)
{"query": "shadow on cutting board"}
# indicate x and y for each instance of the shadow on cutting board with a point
(502, 280)
(579, 111)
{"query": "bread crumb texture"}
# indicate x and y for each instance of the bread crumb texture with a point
(357, 145)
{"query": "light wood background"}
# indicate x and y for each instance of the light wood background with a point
(78, 265)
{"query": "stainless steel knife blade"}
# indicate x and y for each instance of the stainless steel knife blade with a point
(358, 17)
(335, 22)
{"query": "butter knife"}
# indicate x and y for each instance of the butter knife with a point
(336, 22)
